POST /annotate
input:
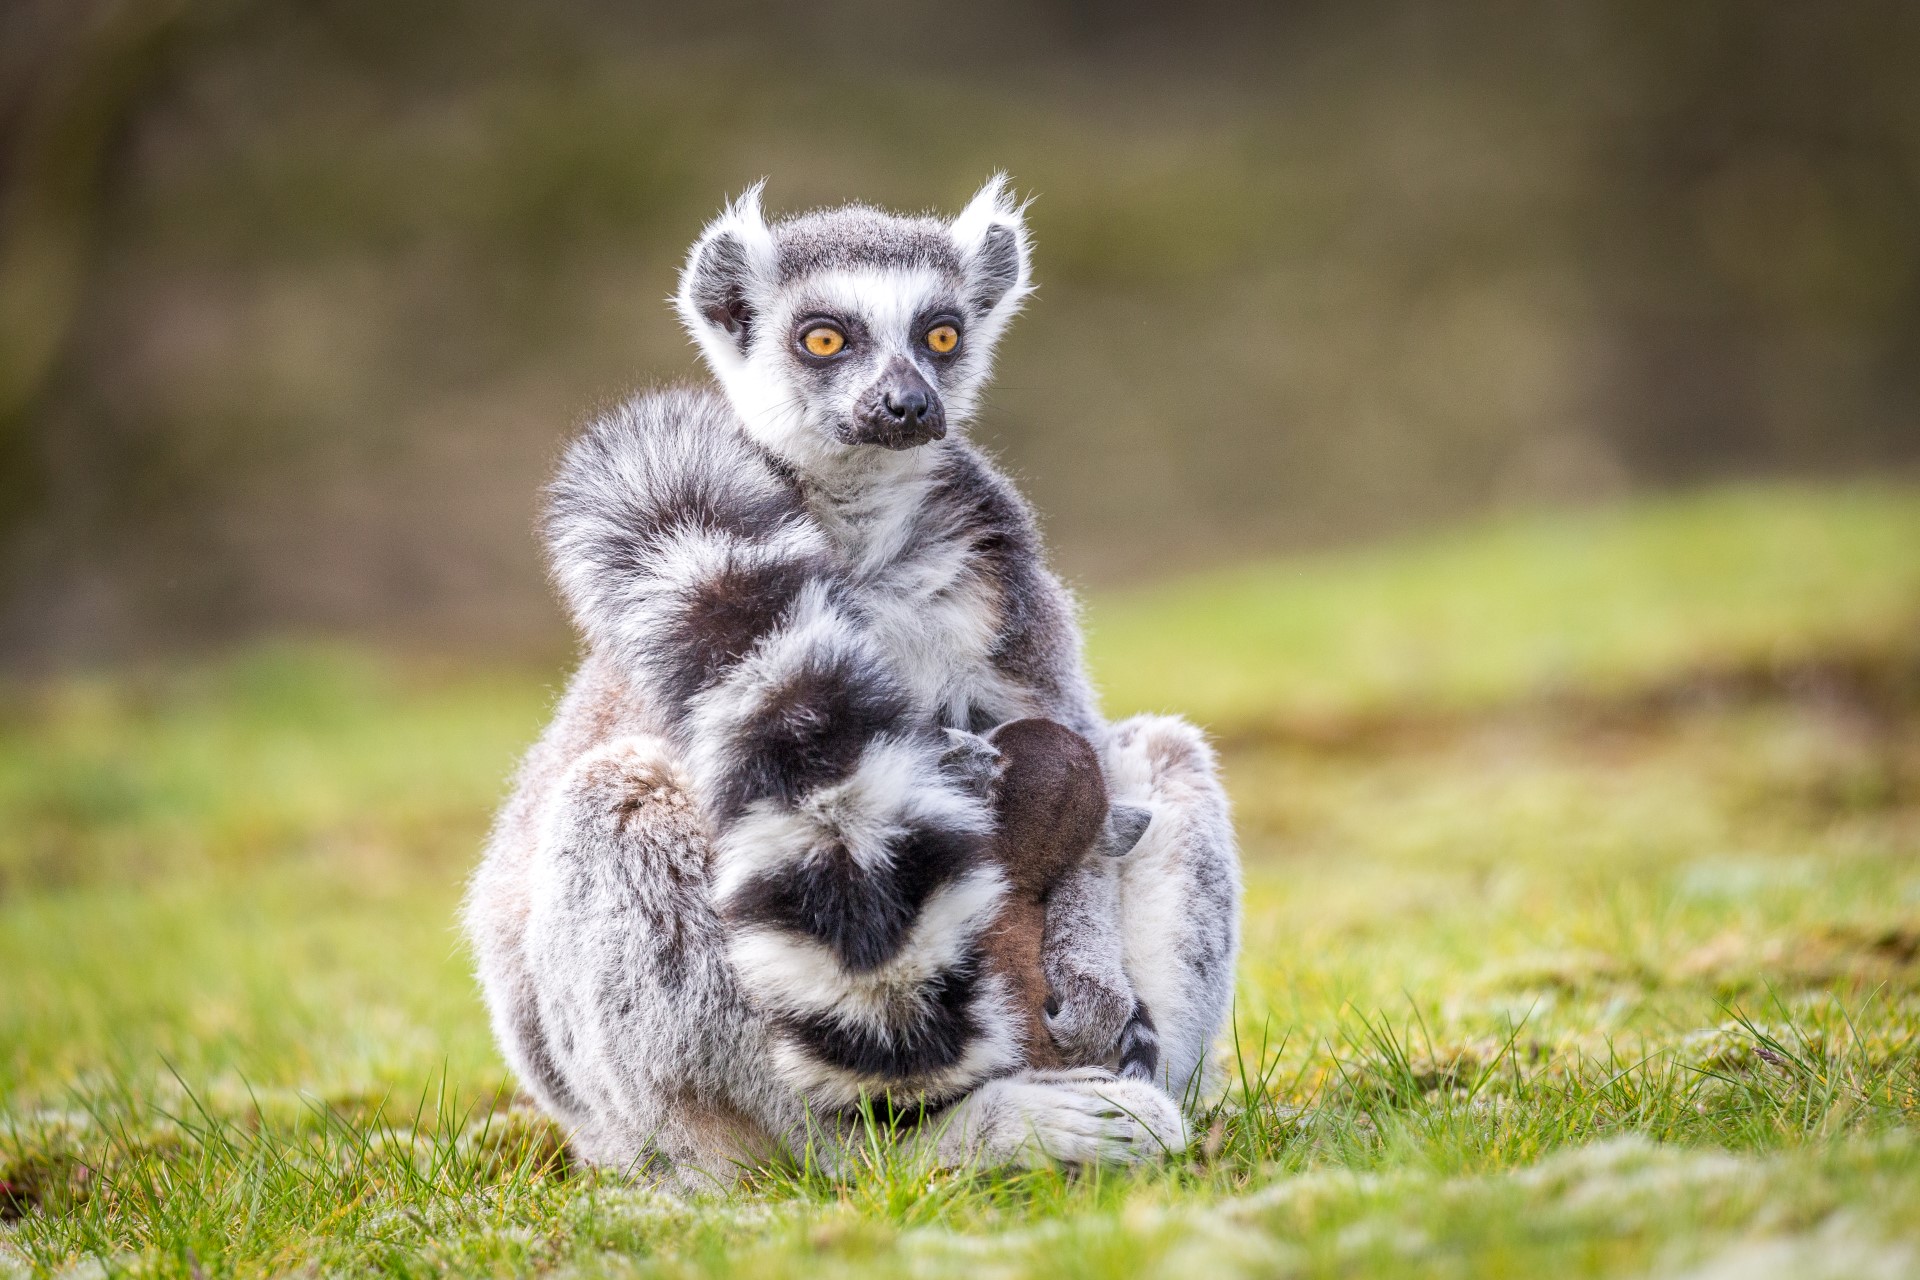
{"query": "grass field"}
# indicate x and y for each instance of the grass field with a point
(1583, 938)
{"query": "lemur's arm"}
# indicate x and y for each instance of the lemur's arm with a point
(1038, 651)
(846, 857)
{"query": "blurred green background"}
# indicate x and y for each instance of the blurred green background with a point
(298, 299)
(1496, 423)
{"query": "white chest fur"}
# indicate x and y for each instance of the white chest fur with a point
(939, 620)
(928, 599)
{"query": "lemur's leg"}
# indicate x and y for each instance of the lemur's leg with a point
(1179, 892)
(636, 1011)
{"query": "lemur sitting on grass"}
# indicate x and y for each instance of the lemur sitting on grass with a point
(749, 877)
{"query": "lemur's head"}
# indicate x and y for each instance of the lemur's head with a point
(849, 331)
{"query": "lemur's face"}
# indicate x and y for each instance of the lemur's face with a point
(852, 331)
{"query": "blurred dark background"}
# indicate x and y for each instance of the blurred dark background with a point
(298, 299)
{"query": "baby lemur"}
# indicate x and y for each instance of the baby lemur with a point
(1051, 813)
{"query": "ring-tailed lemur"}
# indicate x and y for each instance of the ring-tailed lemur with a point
(740, 884)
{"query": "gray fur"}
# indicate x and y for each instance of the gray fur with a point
(740, 885)
(857, 235)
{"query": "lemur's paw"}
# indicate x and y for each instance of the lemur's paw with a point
(1149, 1121)
(620, 776)
(1086, 1017)
(1078, 1117)
(972, 761)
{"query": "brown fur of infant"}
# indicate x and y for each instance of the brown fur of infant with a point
(1051, 811)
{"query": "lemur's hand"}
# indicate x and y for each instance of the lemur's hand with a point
(973, 761)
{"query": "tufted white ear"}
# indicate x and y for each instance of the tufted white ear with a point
(727, 272)
(991, 234)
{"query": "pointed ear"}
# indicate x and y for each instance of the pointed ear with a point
(726, 271)
(991, 233)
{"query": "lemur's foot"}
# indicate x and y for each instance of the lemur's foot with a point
(1079, 1117)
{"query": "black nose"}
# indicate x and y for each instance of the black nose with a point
(899, 411)
(907, 405)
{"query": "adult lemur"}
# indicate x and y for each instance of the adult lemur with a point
(742, 881)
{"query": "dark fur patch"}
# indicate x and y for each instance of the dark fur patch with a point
(718, 286)
(934, 1042)
(996, 269)
(980, 719)
(1139, 1046)
(897, 1115)
(864, 915)
(532, 1036)
(809, 732)
(726, 616)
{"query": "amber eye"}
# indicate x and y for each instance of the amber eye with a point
(823, 340)
(943, 338)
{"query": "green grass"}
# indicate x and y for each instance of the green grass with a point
(1583, 938)
(1604, 603)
